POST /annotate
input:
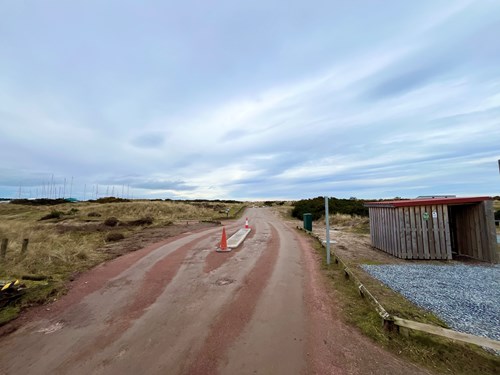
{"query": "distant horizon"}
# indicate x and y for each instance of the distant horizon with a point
(89, 199)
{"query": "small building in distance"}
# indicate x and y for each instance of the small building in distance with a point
(435, 228)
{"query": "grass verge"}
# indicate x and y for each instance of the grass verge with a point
(437, 354)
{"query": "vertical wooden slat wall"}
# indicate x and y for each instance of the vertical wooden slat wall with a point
(476, 236)
(447, 233)
(384, 230)
(490, 253)
(477, 231)
(403, 232)
(464, 236)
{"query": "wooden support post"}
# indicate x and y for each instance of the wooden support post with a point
(361, 292)
(24, 249)
(404, 331)
(389, 325)
(3, 249)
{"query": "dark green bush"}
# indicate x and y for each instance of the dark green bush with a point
(110, 200)
(316, 207)
(39, 202)
(497, 215)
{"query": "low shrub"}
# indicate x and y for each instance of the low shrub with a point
(146, 220)
(110, 200)
(52, 215)
(94, 214)
(39, 202)
(115, 236)
(111, 221)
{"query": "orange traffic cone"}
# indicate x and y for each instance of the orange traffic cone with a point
(246, 223)
(223, 241)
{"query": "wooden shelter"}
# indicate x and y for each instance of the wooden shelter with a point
(436, 228)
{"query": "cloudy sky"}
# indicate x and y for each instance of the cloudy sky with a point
(250, 99)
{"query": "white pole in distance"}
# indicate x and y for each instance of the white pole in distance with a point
(327, 220)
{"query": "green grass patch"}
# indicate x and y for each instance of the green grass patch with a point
(9, 313)
(437, 354)
(371, 262)
(36, 293)
(236, 211)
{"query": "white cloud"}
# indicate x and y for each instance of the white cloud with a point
(178, 112)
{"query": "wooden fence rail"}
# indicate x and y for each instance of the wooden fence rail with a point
(391, 321)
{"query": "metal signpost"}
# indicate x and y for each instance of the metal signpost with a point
(327, 220)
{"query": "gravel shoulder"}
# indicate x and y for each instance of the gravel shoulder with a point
(466, 297)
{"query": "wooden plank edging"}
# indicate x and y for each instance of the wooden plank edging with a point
(410, 324)
(448, 333)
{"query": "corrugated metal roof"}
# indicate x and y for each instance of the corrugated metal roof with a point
(424, 202)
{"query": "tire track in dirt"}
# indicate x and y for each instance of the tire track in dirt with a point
(232, 320)
(87, 283)
(153, 284)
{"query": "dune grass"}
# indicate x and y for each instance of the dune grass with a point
(55, 251)
(73, 241)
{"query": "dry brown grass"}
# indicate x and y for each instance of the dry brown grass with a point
(76, 241)
(59, 247)
(351, 223)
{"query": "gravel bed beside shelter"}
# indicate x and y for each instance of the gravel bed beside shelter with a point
(466, 297)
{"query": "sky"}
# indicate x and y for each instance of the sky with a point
(249, 100)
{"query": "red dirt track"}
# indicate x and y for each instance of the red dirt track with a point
(233, 319)
(178, 307)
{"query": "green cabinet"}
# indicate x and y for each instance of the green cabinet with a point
(308, 222)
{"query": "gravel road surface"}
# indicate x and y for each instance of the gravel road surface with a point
(179, 307)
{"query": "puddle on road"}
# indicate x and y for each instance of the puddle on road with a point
(52, 328)
(224, 281)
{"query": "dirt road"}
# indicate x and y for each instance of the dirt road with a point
(182, 308)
